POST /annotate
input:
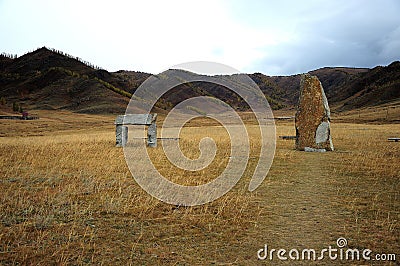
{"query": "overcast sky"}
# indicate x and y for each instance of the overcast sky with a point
(273, 37)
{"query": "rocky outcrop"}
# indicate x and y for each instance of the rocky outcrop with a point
(312, 119)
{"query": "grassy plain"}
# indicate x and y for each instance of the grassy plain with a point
(67, 197)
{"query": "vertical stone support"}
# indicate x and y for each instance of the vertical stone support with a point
(152, 135)
(121, 134)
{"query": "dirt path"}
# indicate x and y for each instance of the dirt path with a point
(301, 206)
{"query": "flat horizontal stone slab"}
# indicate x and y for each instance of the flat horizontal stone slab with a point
(284, 117)
(287, 137)
(14, 117)
(308, 149)
(135, 119)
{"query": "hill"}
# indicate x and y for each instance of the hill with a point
(50, 79)
(380, 85)
(349, 88)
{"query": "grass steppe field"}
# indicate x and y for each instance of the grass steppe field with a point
(67, 197)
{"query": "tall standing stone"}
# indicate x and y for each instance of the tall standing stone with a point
(312, 117)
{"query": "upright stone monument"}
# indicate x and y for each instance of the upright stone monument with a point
(312, 119)
(121, 129)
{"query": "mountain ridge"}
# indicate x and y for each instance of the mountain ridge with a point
(50, 79)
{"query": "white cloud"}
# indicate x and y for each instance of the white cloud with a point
(281, 37)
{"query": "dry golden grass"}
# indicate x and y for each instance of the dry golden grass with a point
(67, 197)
